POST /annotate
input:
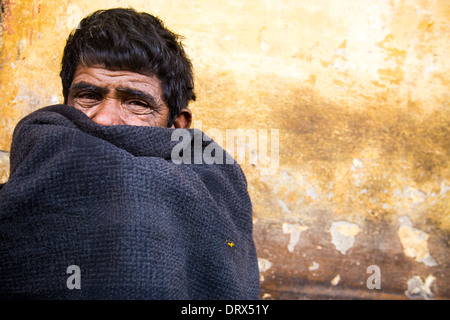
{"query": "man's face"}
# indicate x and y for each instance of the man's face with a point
(118, 97)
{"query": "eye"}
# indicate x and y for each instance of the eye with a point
(138, 106)
(138, 103)
(88, 96)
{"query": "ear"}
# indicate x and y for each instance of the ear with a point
(183, 120)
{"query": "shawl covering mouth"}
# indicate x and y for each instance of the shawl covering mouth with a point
(109, 200)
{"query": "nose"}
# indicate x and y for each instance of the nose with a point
(107, 113)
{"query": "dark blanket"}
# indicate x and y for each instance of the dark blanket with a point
(110, 201)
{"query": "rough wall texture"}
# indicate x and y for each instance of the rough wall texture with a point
(354, 96)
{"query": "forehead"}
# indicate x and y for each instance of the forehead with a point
(111, 79)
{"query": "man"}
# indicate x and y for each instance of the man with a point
(119, 49)
(95, 207)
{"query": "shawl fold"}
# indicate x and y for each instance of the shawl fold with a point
(110, 201)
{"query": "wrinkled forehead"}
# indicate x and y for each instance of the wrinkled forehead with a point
(110, 78)
(105, 81)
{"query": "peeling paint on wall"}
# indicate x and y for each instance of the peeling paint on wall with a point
(418, 289)
(294, 231)
(414, 242)
(264, 264)
(335, 281)
(343, 235)
(314, 266)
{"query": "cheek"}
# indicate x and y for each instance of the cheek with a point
(159, 119)
(86, 111)
(153, 120)
(73, 103)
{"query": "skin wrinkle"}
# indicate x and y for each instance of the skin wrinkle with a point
(84, 86)
(109, 97)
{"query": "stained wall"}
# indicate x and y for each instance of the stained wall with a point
(351, 97)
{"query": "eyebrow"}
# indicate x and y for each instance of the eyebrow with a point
(87, 86)
(139, 94)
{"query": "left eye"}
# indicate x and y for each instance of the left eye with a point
(88, 96)
(138, 107)
(137, 103)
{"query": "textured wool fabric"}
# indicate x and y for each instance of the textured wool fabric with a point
(110, 200)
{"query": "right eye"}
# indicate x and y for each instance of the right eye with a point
(87, 99)
(88, 96)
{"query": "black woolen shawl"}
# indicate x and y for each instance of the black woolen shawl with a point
(110, 200)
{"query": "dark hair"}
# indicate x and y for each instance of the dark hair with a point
(134, 41)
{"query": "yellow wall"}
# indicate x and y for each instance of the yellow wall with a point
(359, 93)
